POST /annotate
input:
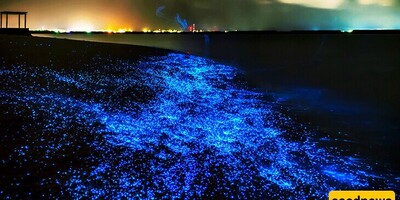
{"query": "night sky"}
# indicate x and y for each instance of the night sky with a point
(208, 14)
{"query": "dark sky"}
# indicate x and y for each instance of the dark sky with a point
(208, 14)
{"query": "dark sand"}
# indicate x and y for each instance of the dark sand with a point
(39, 176)
(33, 174)
(36, 51)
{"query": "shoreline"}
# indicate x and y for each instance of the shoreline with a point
(300, 97)
(73, 111)
(308, 102)
(354, 66)
(331, 77)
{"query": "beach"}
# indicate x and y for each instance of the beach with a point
(98, 120)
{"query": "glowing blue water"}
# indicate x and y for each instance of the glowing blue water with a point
(182, 126)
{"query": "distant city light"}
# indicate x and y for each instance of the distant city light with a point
(82, 26)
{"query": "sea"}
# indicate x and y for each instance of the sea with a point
(343, 85)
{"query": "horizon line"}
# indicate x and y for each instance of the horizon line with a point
(219, 31)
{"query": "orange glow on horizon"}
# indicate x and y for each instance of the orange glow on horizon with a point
(82, 26)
